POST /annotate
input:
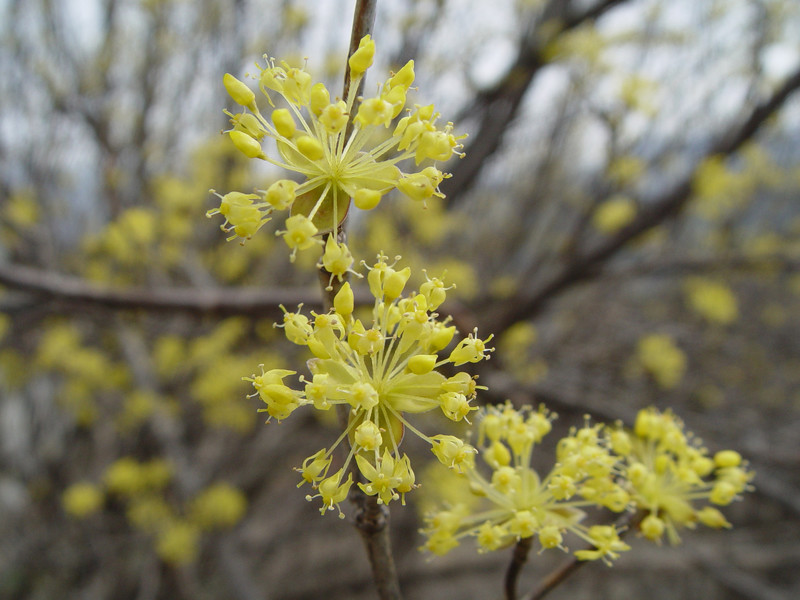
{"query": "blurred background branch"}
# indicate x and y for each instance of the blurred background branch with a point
(625, 221)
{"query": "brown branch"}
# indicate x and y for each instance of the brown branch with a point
(625, 523)
(498, 106)
(78, 292)
(528, 304)
(710, 264)
(371, 518)
(518, 560)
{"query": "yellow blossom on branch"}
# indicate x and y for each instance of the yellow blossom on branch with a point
(519, 503)
(712, 300)
(380, 371)
(669, 473)
(329, 145)
(664, 360)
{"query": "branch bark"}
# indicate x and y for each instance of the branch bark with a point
(625, 523)
(76, 292)
(371, 519)
(518, 560)
(527, 304)
(498, 106)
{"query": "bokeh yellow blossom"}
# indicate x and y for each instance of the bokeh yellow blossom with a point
(712, 300)
(219, 506)
(82, 499)
(662, 359)
(614, 214)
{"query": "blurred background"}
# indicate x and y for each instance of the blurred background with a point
(626, 222)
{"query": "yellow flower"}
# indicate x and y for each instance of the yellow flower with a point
(380, 371)
(660, 357)
(331, 147)
(607, 544)
(82, 499)
(711, 300)
(518, 503)
(669, 473)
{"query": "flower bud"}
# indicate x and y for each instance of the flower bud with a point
(240, 93)
(310, 147)
(361, 60)
(404, 77)
(652, 527)
(283, 121)
(320, 98)
(395, 282)
(246, 144)
(727, 458)
(343, 302)
(422, 363)
(366, 199)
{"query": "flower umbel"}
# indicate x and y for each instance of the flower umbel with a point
(669, 472)
(330, 145)
(520, 503)
(381, 372)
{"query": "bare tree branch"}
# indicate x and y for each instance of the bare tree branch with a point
(498, 106)
(527, 304)
(711, 264)
(371, 518)
(219, 301)
(518, 560)
(624, 524)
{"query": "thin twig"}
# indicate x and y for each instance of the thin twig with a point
(371, 518)
(74, 291)
(625, 523)
(497, 107)
(518, 560)
(528, 303)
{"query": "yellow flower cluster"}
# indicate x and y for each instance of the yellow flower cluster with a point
(329, 144)
(614, 214)
(141, 486)
(660, 357)
(669, 472)
(658, 469)
(379, 371)
(212, 363)
(82, 499)
(520, 503)
(712, 300)
(87, 372)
